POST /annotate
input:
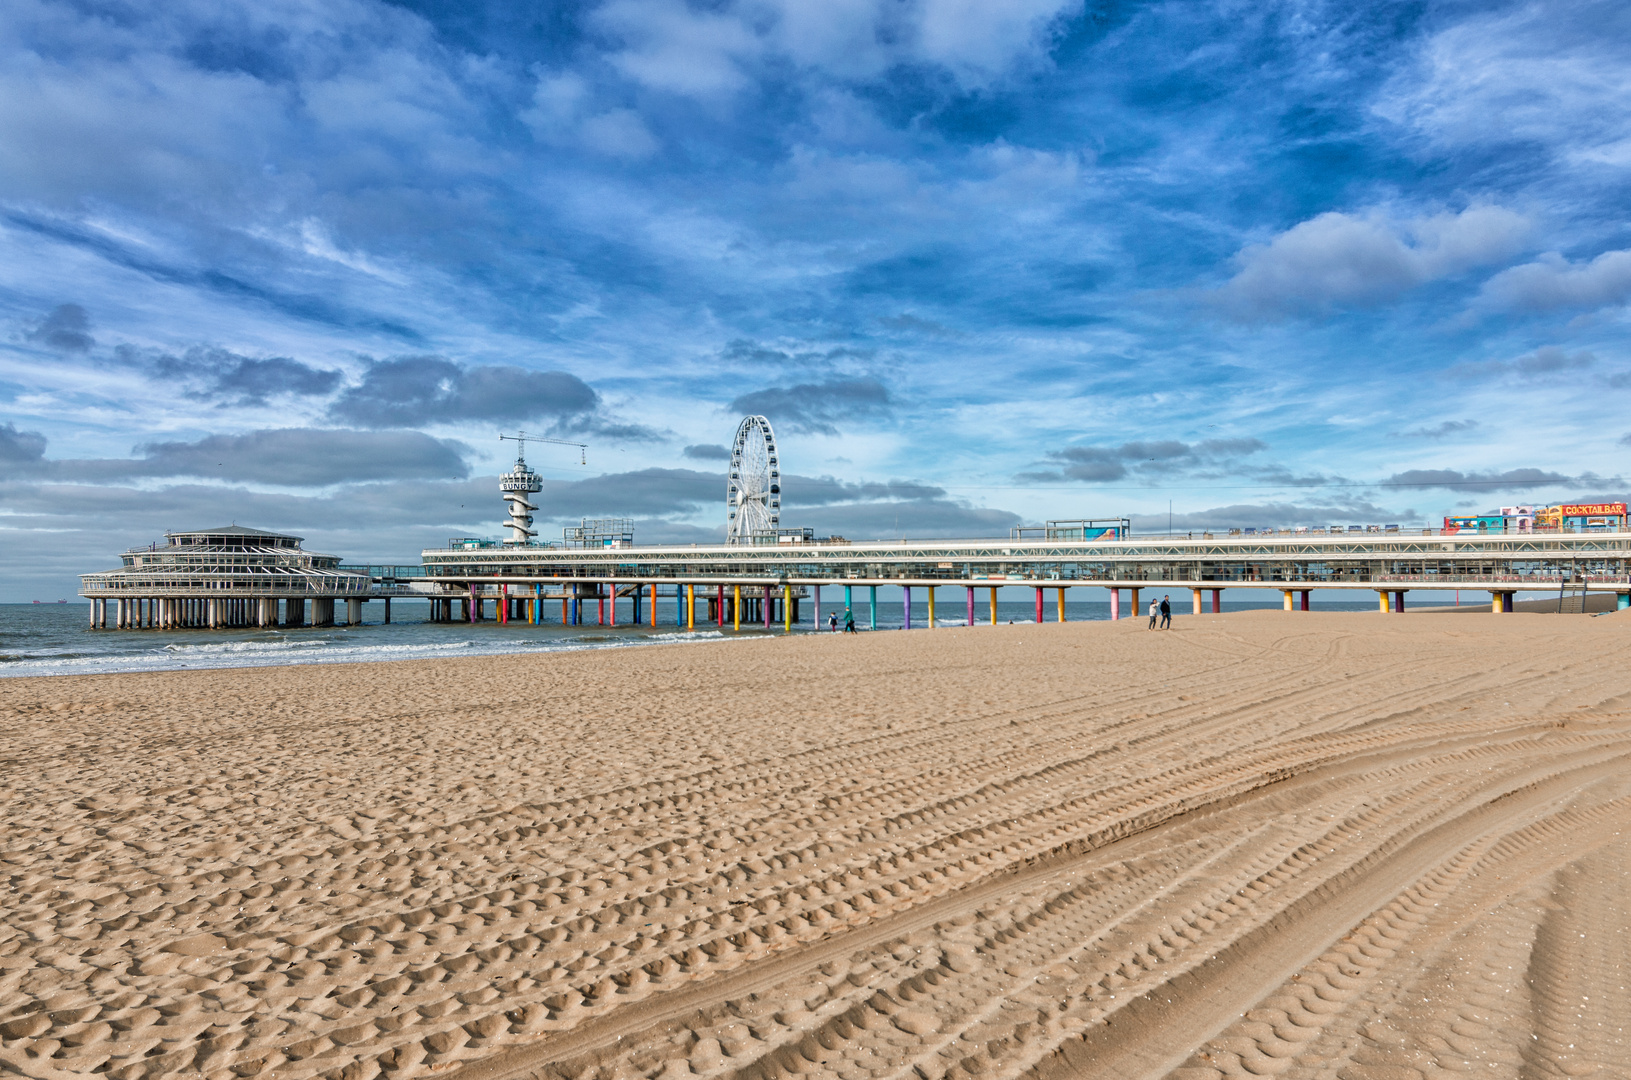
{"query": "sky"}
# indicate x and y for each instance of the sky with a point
(297, 265)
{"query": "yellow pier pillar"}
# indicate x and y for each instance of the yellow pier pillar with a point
(1132, 598)
(1061, 604)
(1197, 599)
(1288, 593)
(931, 607)
(736, 607)
(993, 605)
(1382, 596)
(787, 609)
(690, 607)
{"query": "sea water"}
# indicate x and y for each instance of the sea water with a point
(55, 639)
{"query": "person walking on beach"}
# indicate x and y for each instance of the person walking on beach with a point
(849, 621)
(1166, 613)
(1155, 611)
(832, 621)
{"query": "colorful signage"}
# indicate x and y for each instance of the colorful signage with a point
(1592, 509)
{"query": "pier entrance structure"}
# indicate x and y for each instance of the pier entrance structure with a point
(1388, 564)
(227, 577)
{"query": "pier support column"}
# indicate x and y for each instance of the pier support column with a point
(1381, 594)
(1217, 601)
(1115, 606)
(1287, 593)
(906, 607)
(719, 604)
(1039, 603)
(970, 605)
(872, 607)
(387, 611)
(1133, 610)
(1501, 602)
(769, 606)
(736, 608)
(787, 609)
(1398, 600)
(1062, 602)
(1305, 593)
(815, 598)
(993, 605)
(1195, 597)
(690, 607)
(1622, 601)
(931, 607)
(353, 611)
(612, 614)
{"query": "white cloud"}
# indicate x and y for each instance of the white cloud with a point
(1555, 75)
(1552, 282)
(562, 113)
(667, 46)
(976, 37)
(1342, 259)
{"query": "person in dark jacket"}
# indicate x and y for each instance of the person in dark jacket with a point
(1166, 613)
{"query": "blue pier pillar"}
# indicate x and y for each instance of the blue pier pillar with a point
(1622, 601)
(872, 608)
(906, 616)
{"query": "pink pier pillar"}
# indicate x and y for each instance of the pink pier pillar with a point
(1115, 604)
(1039, 603)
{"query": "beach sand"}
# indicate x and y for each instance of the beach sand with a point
(1346, 846)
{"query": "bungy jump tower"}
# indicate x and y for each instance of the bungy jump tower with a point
(517, 485)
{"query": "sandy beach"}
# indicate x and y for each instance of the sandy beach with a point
(1345, 846)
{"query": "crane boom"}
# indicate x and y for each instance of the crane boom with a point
(522, 438)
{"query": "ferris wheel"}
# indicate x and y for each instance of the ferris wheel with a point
(753, 494)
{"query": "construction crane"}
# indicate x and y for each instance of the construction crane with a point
(523, 439)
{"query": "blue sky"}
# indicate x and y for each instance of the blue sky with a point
(296, 265)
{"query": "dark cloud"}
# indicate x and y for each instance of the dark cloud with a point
(284, 457)
(1438, 431)
(1543, 363)
(20, 447)
(826, 491)
(1511, 479)
(748, 351)
(414, 390)
(66, 329)
(817, 407)
(907, 323)
(1098, 464)
(707, 452)
(220, 375)
(1275, 516)
(309, 457)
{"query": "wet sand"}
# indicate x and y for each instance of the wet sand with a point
(1345, 846)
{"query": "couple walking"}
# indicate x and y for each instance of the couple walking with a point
(1162, 610)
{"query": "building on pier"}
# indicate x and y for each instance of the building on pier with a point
(226, 577)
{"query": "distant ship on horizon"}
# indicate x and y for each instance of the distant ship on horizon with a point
(47, 601)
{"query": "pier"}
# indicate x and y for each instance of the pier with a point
(224, 578)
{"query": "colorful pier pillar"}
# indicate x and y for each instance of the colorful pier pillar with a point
(815, 619)
(1133, 610)
(690, 607)
(736, 607)
(1622, 601)
(1039, 603)
(971, 605)
(1217, 601)
(1501, 602)
(1195, 597)
(849, 601)
(770, 607)
(931, 607)
(1115, 605)
(1287, 593)
(1306, 593)
(537, 611)
(613, 587)
(1381, 595)
(993, 605)
(1398, 600)
(872, 607)
(787, 609)
(652, 615)
(906, 607)
(1061, 603)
